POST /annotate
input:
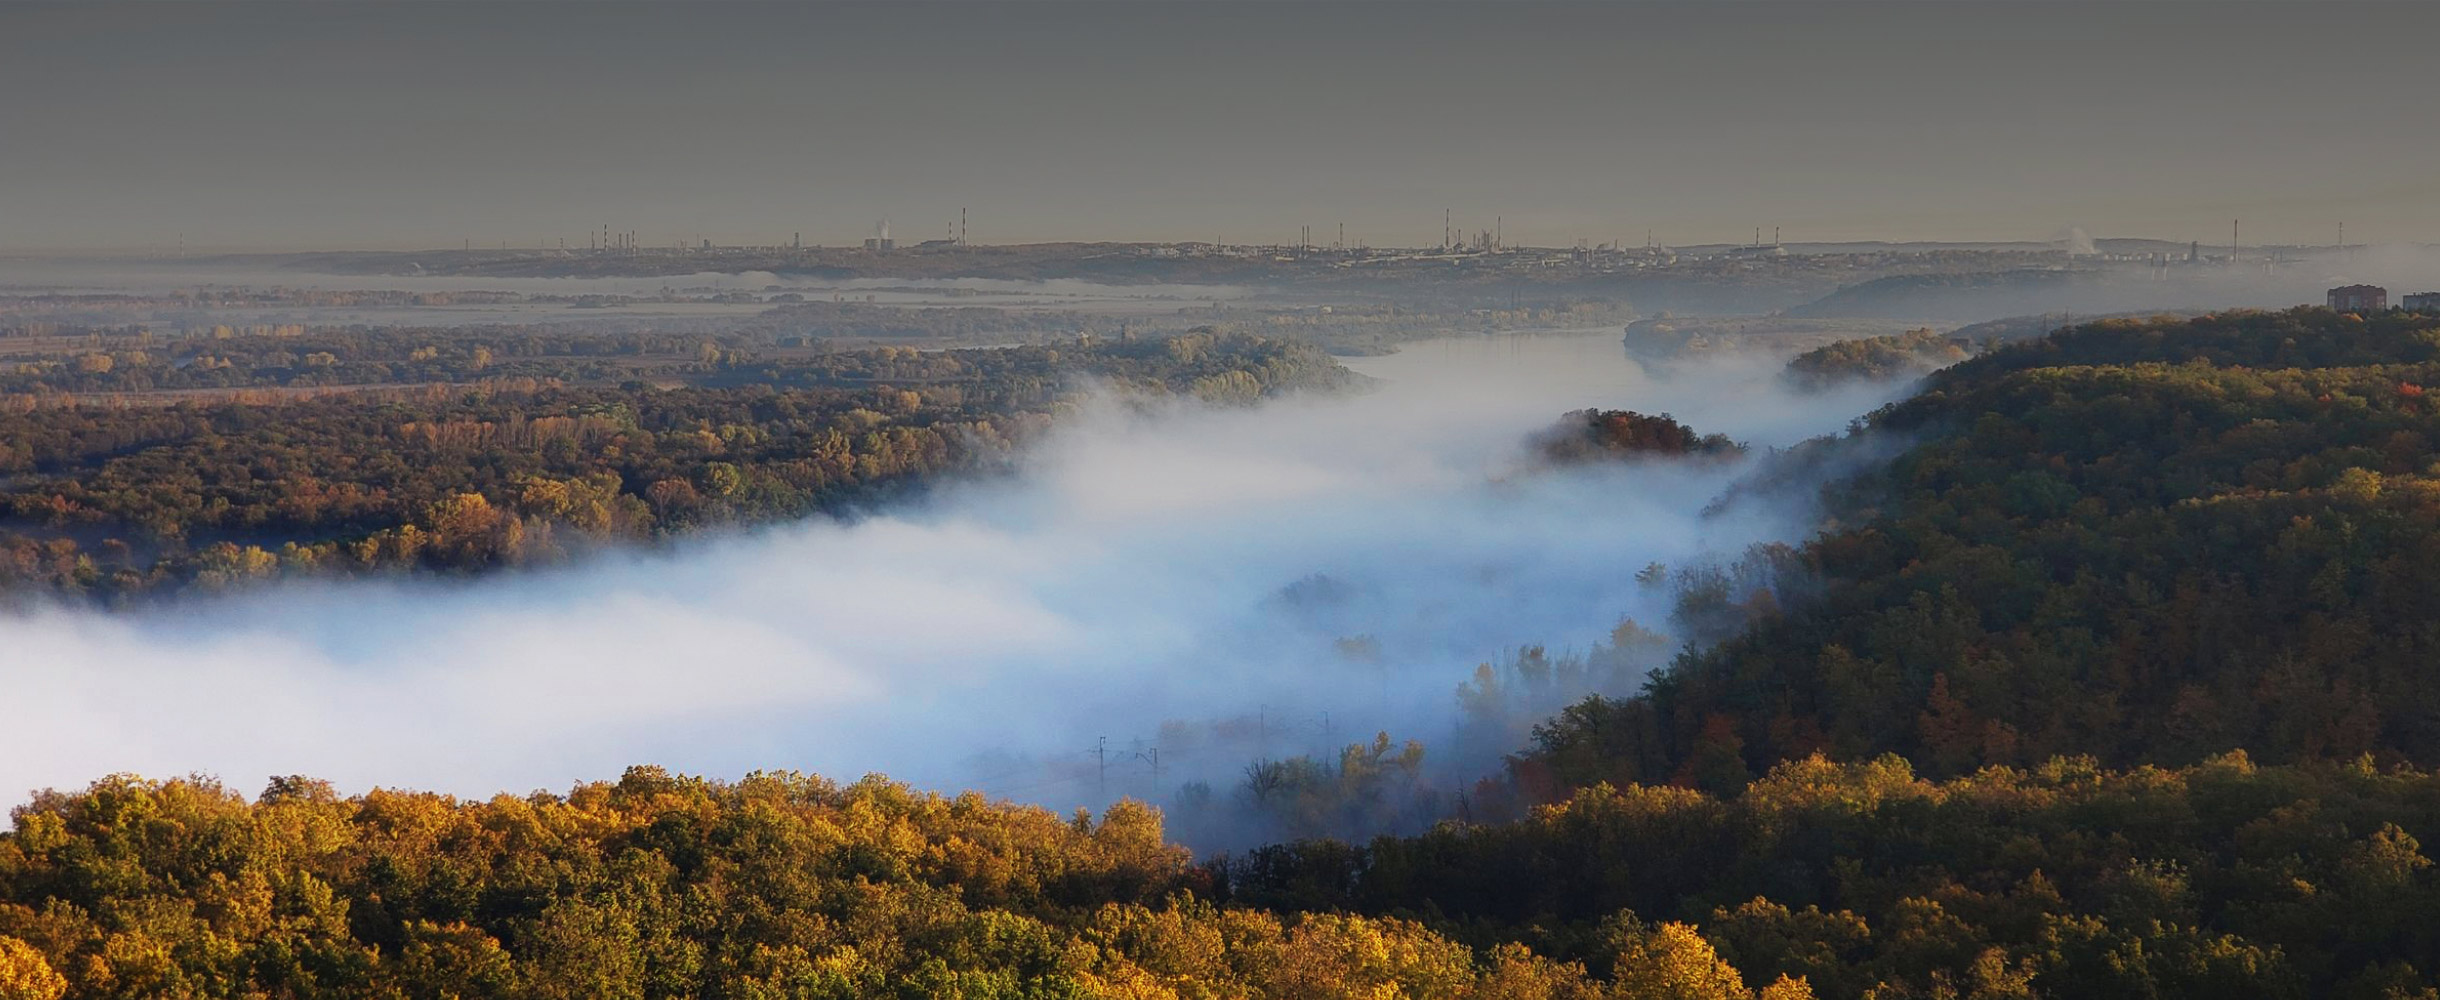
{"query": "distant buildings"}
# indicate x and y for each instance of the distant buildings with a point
(880, 240)
(2421, 301)
(2359, 298)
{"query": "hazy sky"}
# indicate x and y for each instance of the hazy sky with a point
(422, 124)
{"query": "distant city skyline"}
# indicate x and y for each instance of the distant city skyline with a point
(278, 127)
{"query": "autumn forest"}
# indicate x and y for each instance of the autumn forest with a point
(2102, 676)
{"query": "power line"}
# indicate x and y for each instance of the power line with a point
(1153, 755)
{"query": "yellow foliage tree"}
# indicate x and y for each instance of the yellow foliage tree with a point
(1673, 962)
(25, 975)
(1786, 988)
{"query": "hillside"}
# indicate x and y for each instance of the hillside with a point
(2114, 681)
(2224, 879)
(665, 886)
(2148, 542)
(1874, 359)
(142, 471)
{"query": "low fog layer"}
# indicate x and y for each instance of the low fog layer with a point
(1140, 569)
(155, 276)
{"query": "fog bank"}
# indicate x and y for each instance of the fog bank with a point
(1140, 568)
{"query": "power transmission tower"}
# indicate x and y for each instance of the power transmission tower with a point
(1153, 755)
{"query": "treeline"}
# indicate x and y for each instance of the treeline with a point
(1941, 293)
(1874, 359)
(801, 322)
(1595, 435)
(1387, 786)
(115, 501)
(1207, 363)
(309, 357)
(2149, 542)
(2109, 571)
(1356, 329)
(2223, 879)
(137, 360)
(660, 886)
(1665, 340)
(2115, 681)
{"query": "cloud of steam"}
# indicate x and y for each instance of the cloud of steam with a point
(1132, 573)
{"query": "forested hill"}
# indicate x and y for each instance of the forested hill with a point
(1873, 359)
(515, 452)
(2117, 681)
(776, 887)
(2218, 881)
(2145, 541)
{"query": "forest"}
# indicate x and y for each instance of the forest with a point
(1605, 435)
(2148, 542)
(441, 466)
(2113, 682)
(2105, 675)
(2220, 879)
(1874, 359)
(664, 886)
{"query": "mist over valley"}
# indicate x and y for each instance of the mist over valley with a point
(1659, 500)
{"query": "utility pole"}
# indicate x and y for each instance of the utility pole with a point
(1101, 766)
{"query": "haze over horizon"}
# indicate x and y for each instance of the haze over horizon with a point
(276, 126)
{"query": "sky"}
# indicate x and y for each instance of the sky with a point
(427, 124)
